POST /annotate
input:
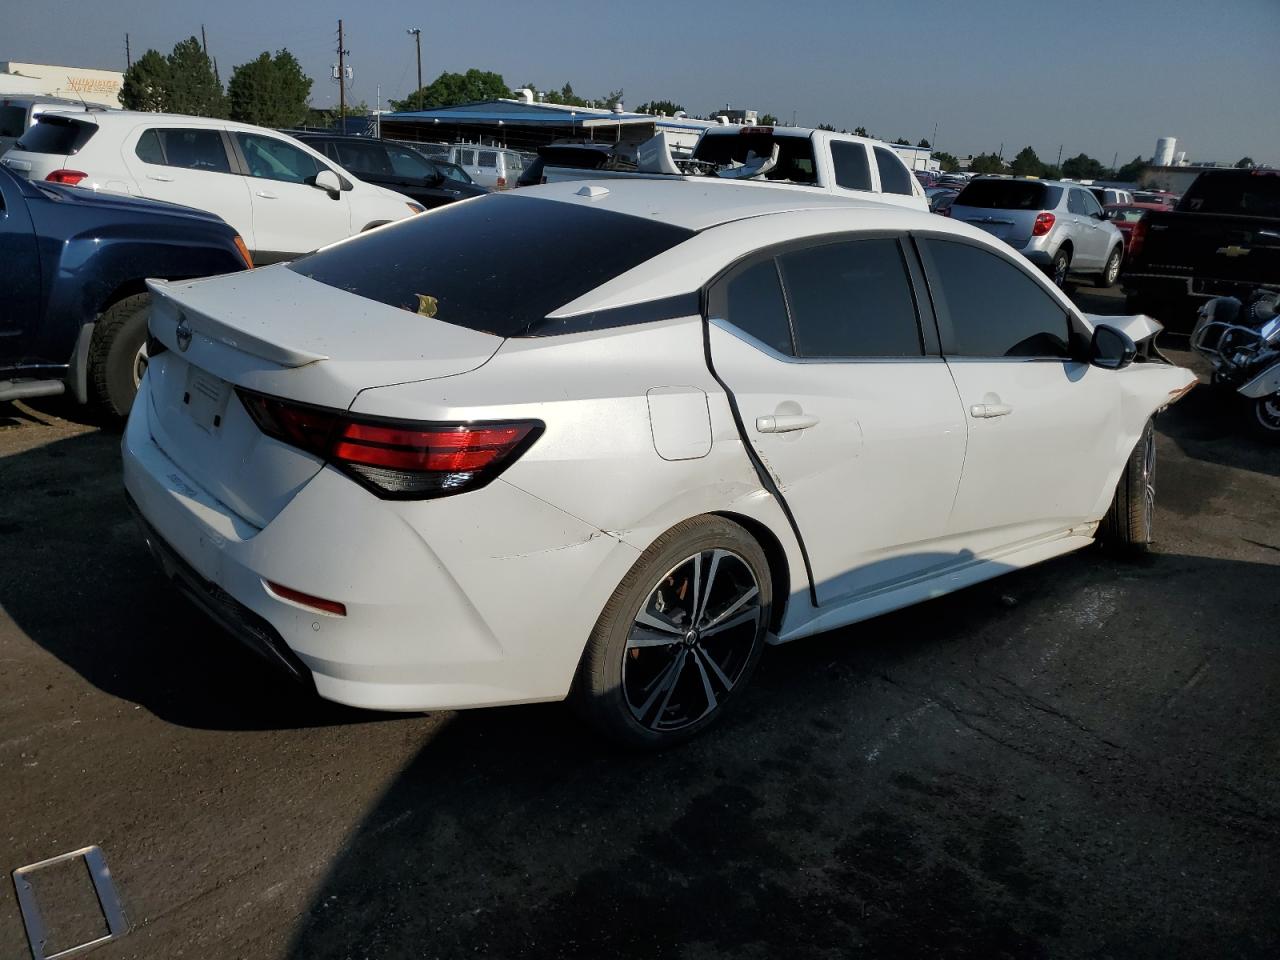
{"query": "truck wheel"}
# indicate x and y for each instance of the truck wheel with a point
(1059, 269)
(118, 355)
(1111, 272)
(1265, 417)
(1126, 527)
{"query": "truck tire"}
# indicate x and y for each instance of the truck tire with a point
(1126, 526)
(1110, 271)
(117, 356)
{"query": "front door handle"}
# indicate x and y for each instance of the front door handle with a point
(160, 177)
(985, 411)
(785, 423)
(267, 196)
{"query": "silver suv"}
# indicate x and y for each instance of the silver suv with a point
(1059, 227)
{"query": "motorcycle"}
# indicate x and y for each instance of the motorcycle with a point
(1242, 342)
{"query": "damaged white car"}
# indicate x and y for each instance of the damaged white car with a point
(606, 441)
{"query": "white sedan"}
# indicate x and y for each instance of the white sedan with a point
(605, 441)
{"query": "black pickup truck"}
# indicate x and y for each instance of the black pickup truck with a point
(1223, 239)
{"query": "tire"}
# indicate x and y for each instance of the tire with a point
(679, 638)
(1264, 417)
(1127, 526)
(1059, 268)
(1110, 271)
(117, 356)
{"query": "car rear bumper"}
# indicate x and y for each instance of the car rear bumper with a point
(484, 598)
(1165, 287)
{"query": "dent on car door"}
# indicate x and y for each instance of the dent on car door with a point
(290, 214)
(857, 427)
(20, 301)
(1042, 427)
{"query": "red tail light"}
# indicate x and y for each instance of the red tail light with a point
(68, 177)
(1044, 223)
(332, 607)
(502, 183)
(396, 459)
(1137, 236)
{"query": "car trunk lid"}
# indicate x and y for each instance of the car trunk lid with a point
(275, 332)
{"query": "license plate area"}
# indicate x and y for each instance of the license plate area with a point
(204, 398)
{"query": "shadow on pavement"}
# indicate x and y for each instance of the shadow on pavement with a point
(1209, 424)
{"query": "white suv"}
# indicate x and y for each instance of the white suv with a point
(280, 195)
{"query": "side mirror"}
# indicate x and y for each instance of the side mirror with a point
(328, 181)
(1111, 349)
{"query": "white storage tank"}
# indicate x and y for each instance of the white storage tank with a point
(1165, 148)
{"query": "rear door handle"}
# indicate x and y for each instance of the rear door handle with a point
(159, 176)
(268, 196)
(785, 423)
(985, 411)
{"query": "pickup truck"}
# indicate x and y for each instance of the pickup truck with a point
(1222, 239)
(795, 157)
(74, 302)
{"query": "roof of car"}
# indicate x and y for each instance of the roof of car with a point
(133, 117)
(697, 203)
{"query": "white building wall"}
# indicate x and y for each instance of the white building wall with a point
(100, 87)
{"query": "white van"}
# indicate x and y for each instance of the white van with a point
(495, 167)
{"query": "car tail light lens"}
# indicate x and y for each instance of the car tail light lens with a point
(66, 177)
(396, 459)
(1044, 223)
(502, 183)
(1137, 236)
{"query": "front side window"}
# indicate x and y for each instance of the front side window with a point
(850, 161)
(188, 148)
(406, 163)
(270, 159)
(753, 303)
(851, 299)
(991, 307)
(367, 158)
(894, 177)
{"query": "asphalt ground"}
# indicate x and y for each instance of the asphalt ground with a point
(1076, 760)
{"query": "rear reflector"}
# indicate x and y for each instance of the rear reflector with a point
(396, 459)
(1044, 223)
(331, 607)
(66, 177)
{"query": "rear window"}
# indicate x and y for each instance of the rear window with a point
(1246, 194)
(498, 265)
(13, 120)
(59, 135)
(1126, 214)
(1007, 195)
(795, 154)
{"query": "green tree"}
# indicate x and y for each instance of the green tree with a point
(1131, 171)
(861, 132)
(146, 83)
(669, 107)
(1245, 163)
(826, 126)
(192, 87)
(1082, 167)
(769, 120)
(924, 144)
(947, 161)
(449, 89)
(270, 91)
(986, 163)
(902, 142)
(1026, 164)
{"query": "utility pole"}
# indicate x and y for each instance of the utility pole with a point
(204, 44)
(416, 33)
(1059, 156)
(342, 82)
(128, 56)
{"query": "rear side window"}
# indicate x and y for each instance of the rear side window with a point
(499, 264)
(991, 307)
(795, 154)
(851, 299)
(488, 158)
(850, 160)
(894, 177)
(13, 120)
(1005, 195)
(753, 303)
(1252, 193)
(1075, 202)
(60, 135)
(467, 158)
(191, 149)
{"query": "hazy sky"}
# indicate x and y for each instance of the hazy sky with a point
(1105, 78)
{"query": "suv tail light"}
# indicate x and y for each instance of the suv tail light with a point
(66, 177)
(502, 183)
(1137, 236)
(396, 459)
(1044, 223)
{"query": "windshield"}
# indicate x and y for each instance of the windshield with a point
(795, 154)
(1008, 195)
(1245, 193)
(499, 264)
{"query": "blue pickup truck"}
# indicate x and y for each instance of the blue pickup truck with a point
(73, 298)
